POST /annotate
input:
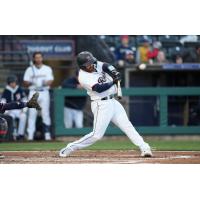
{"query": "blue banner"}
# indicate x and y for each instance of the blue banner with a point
(184, 66)
(52, 49)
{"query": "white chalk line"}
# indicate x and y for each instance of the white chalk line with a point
(36, 151)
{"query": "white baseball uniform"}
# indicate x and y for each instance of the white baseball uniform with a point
(73, 115)
(104, 111)
(37, 77)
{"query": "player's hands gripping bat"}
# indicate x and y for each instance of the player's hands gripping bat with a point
(112, 71)
(33, 102)
(116, 76)
(116, 80)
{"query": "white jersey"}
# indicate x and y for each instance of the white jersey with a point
(88, 80)
(38, 76)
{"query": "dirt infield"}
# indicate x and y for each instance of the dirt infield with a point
(91, 156)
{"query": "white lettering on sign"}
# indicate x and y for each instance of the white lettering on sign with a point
(63, 48)
(40, 48)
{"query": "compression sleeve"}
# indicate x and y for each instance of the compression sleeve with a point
(102, 87)
(108, 68)
(13, 105)
(111, 71)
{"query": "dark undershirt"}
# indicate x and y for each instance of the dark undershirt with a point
(102, 87)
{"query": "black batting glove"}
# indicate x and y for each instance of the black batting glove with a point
(116, 79)
(116, 76)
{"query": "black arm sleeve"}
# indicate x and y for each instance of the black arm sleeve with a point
(102, 87)
(110, 70)
(106, 69)
(13, 105)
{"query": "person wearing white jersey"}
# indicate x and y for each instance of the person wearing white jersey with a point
(38, 78)
(100, 80)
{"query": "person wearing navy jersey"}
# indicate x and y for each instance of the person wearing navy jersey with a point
(73, 111)
(13, 92)
(32, 103)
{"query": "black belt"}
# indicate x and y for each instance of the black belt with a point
(106, 98)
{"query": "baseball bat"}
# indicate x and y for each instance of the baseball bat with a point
(119, 90)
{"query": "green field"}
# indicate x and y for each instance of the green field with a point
(107, 144)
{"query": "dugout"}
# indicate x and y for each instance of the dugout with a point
(182, 110)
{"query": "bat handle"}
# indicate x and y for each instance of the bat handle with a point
(119, 92)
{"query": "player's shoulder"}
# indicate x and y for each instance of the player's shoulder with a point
(47, 67)
(19, 89)
(29, 68)
(83, 76)
(101, 65)
(6, 90)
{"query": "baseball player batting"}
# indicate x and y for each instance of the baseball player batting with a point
(101, 82)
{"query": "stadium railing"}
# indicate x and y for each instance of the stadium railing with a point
(161, 92)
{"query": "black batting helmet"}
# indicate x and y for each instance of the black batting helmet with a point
(11, 79)
(85, 58)
(3, 126)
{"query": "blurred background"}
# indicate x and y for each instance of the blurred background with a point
(160, 73)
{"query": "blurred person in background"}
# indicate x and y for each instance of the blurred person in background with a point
(124, 53)
(14, 93)
(39, 78)
(153, 52)
(178, 59)
(73, 111)
(142, 51)
(177, 55)
(129, 58)
(32, 103)
(161, 58)
(196, 54)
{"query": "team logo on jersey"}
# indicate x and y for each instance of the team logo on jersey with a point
(18, 96)
(102, 79)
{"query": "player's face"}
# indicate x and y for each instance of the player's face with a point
(90, 68)
(38, 59)
(13, 84)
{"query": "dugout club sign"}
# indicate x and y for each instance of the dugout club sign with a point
(52, 49)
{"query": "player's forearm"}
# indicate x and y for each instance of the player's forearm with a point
(102, 87)
(48, 83)
(111, 71)
(13, 105)
(27, 83)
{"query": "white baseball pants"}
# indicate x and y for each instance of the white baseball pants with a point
(44, 101)
(73, 115)
(18, 114)
(104, 112)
